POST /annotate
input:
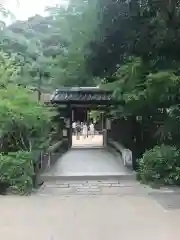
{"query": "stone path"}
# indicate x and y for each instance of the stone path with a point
(96, 141)
(102, 187)
(88, 162)
(115, 208)
(98, 217)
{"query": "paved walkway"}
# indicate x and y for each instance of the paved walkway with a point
(88, 162)
(118, 187)
(53, 217)
(95, 141)
(91, 210)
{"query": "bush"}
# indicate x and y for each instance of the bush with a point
(24, 124)
(16, 171)
(160, 165)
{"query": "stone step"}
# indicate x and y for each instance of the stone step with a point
(85, 177)
(90, 187)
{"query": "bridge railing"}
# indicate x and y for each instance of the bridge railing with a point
(43, 160)
(126, 154)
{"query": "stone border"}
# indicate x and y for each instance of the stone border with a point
(125, 153)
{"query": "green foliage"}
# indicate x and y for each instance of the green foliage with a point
(25, 124)
(131, 47)
(8, 69)
(78, 23)
(138, 53)
(16, 170)
(24, 127)
(141, 88)
(53, 48)
(160, 165)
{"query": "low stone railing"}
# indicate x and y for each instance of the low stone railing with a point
(45, 159)
(125, 153)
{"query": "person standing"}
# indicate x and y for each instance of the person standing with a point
(78, 130)
(74, 128)
(85, 130)
(81, 127)
(91, 128)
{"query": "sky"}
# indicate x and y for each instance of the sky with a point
(22, 9)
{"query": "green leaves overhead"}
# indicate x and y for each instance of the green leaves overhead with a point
(55, 46)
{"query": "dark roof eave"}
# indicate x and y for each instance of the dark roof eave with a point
(81, 102)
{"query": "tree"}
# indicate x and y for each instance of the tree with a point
(55, 47)
(24, 123)
(136, 51)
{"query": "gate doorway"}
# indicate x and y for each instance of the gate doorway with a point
(84, 106)
(88, 128)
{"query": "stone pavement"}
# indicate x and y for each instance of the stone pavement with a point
(95, 141)
(88, 162)
(92, 187)
(99, 217)
(115, 207)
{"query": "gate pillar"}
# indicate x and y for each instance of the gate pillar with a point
(67, 131)
(105, 131)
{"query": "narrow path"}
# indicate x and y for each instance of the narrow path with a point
(88, 162)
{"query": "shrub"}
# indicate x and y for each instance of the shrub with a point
(16, 171)
(24, 124)
(160, 165)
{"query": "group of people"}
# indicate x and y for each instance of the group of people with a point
(83, 128)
